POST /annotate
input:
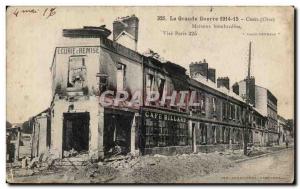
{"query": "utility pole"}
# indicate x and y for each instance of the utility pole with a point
(247, 110)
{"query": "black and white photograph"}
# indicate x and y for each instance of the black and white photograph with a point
(150, 95)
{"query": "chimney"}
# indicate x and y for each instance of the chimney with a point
(125, 31)
(223, 82)
(199, 69)
(87, 32)
(236, 88)
(211, 75)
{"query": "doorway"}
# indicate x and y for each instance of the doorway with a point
(117, 132)
(76, 132)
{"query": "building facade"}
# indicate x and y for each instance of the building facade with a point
(285, 131)
(94, 82)
(41, 133)
(264, 102)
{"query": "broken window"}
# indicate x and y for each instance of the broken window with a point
(76, 72)
(149, 87)
(149, 82)
(103, 82)
(198, 100)
(161, 87)
(121, 71)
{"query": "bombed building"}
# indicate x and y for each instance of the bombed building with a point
(88, 64)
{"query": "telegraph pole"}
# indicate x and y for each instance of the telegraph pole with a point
(247, 110)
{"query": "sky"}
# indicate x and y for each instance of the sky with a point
(32, 38)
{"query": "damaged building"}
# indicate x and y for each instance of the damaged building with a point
(87, 63)
(81, 71)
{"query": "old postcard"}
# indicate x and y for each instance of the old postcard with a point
(147, 95)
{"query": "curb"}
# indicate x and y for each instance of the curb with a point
(262, 155)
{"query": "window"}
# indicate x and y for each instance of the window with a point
(238, 113)
(149, 86)
(151, 130)
(161, 87)
(197, 100)
(233, 112)
(214, 104)
(165, 133)
(162, 133)
(224, 110)
(203, 136)
(214, 136)
(202, 103)
(149, 83)
(121, 68)
(76, 72)
(228, 110)
(182, 134)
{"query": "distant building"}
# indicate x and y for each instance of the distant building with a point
(240, 89)
(264, 101)
(41, 133)
(285, 131)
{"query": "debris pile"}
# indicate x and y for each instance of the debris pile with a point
(70, 153)
(169, 169)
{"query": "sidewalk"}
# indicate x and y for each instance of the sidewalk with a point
(238, 155)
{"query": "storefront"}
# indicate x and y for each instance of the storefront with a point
(162, 130)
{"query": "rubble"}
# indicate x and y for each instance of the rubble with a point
(158, 155)
(167, 169)
(70, 153)
(25, 161)
(130, 168)
(34, 163)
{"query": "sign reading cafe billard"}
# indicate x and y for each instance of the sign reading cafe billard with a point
(164, 116)
(77, 50)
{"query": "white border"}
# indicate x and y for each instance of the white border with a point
(3, 3)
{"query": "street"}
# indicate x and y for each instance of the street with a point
(186, 168)
(274, 168)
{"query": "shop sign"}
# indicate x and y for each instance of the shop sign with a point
(164, 116)
(78, 50)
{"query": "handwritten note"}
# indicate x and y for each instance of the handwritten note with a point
(44, 12)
